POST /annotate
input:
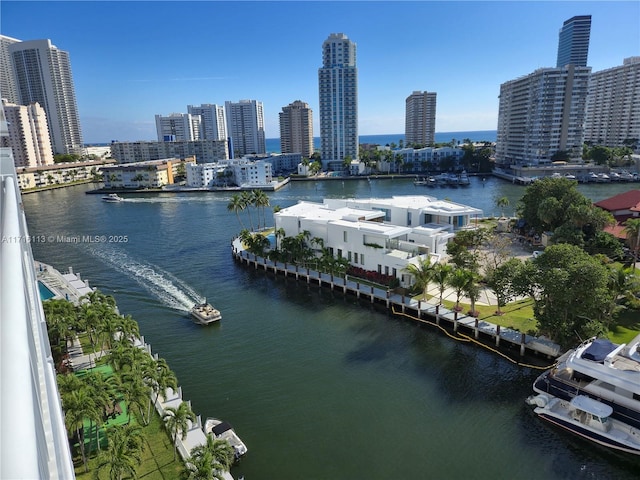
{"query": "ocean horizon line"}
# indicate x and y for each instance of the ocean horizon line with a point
(381, 138)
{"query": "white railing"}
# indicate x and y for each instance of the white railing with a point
(33, 440)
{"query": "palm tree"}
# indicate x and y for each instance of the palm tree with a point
(247, 200)
(103, 393)
(441, 274)
(261, 200)
(177, 422)
(502, 203)
(218, 453)
(127, 327)
(200, 467)
(78, 406)
(235, 205)
(632, 229)
(472, 289)
(160, 380)
(61, 315)
(135, 393)
(123, 454)
(458, 280)
(423, 273)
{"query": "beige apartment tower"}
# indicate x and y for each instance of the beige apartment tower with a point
(296, 129)
(28, 135)
(420, 118)
(613, 105)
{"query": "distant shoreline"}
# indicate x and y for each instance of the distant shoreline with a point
(380, 138)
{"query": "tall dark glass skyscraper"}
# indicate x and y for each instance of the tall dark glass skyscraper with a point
(573, 45)
(338, 86)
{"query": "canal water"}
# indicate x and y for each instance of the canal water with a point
(316, 385)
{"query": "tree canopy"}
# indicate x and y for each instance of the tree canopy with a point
(570, 289)
(556, 205)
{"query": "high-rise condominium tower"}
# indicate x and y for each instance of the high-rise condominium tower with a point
(542, 114)
(214, 120)
(296, 129)
(420, 118)
(573, 45)
(28, 135)
(8, 87)
(43, 74)
(245, 120)
(338, 88)
(613, 105)
(178, 127)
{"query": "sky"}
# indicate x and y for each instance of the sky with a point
(133, 60)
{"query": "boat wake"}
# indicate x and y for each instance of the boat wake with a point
(170, 290)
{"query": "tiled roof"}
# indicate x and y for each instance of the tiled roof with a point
(624, 201)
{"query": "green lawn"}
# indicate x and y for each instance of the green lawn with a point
(157, 458)
(627, 327)
(518, 315)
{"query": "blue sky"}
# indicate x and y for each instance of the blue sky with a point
(132, 60)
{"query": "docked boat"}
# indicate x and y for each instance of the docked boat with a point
(112, 197)
(425, 181)
(589, 419)
(204, 314)
(463, 179)
(602, 370)
(224, 431)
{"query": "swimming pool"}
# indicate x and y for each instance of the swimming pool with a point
(272, 239)
(45, 293)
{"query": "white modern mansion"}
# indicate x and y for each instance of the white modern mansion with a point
(380, 234)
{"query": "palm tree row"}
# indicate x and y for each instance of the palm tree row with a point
(299, 250)
(463, 281)
(243, 201)
(137, 381)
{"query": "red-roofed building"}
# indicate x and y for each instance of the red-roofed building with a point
(622, 206)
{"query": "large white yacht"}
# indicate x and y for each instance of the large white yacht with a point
(602, 370)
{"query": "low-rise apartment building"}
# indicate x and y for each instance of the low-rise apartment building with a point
(243, 173)
(152, 174)
(204, 151)
(60, 174)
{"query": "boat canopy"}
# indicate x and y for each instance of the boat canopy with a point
(599, 349)
(221, 428)
(591, 406)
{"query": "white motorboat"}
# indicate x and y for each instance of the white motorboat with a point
(112, 197)
(204, 313)
(589, 419)
(602, 370)
(224, 431)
